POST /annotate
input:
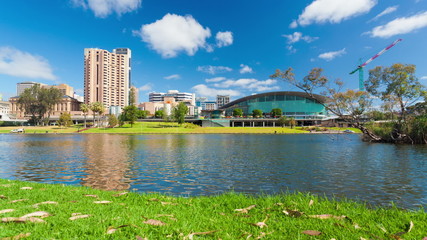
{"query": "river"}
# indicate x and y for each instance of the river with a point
(191, 165)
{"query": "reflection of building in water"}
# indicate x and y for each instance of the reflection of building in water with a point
(107, 163)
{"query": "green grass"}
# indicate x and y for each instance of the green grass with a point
(169, 128)
(183, 216)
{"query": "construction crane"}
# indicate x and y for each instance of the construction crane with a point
(360, 67)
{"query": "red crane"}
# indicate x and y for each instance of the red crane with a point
(360, 67)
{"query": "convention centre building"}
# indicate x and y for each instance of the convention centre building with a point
(298, 105)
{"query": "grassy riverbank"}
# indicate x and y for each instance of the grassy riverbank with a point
(169, 128)
(68, 212)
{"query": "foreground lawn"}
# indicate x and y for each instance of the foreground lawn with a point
(68, 212)
(169, 128)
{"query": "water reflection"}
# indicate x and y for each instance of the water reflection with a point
(107, 161)
(335, 165)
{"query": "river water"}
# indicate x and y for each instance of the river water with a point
(190, 165)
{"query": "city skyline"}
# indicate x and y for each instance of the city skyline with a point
(210, 48)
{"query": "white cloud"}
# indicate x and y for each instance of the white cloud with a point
(206, 91)
(245, 69)
(294, 24)
(103, 8)
(291, 49)
(173, 77)
(385, 12)
(16, 63)
(146, 87)
(329, 56)
(298, 36)
(332, 11)
(423, 78)
(174, 34)
(216, 79)
(224, 39)
(214, 69)
(400, 26)
(249, 83)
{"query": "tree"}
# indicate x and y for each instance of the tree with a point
(256, 113)
(276, 112)
(282, 121)
(179, 112)
(65, 119)
(112, 120)
(132, 96)
(130, 114)
(396, 84)
(85, 109)
(96, 108)
(159, 114)
(142, 114)
(237, 112)
(38, 102)
(292, 122)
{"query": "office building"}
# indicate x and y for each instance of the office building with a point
(178, 96)
(221, 100)
(20, 87)
(107, 76)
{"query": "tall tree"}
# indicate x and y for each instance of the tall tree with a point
(85, 109)
(38, 102)
(132, 96)
(179, 112)
(398, 85)
(130, 114)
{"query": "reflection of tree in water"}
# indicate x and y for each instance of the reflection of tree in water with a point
(107, 161)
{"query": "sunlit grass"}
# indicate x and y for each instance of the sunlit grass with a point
(167, 128)
(228, 216)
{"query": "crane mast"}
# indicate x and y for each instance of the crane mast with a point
(361, 66)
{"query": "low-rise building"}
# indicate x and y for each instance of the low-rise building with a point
(4, 111)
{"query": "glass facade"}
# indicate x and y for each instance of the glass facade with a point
(291, 105)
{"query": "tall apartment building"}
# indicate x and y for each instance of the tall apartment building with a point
(221, 100)
(107, 76)
(179, 96)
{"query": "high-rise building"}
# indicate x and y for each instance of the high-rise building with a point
(221, 100)
(107, 76)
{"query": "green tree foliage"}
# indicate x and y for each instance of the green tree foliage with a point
(132, 96)
(283, 120)
(142, 114)
(97, 108)
(397, 85)
(85, 109)
(159, 114)
(276, 112)
(65, 119)
(130, 114)
(292, 122)
(112, 120)
(256, 113)
(38, 102)
(237, 112)
(179, 112)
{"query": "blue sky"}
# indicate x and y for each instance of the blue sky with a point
(208, 47)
